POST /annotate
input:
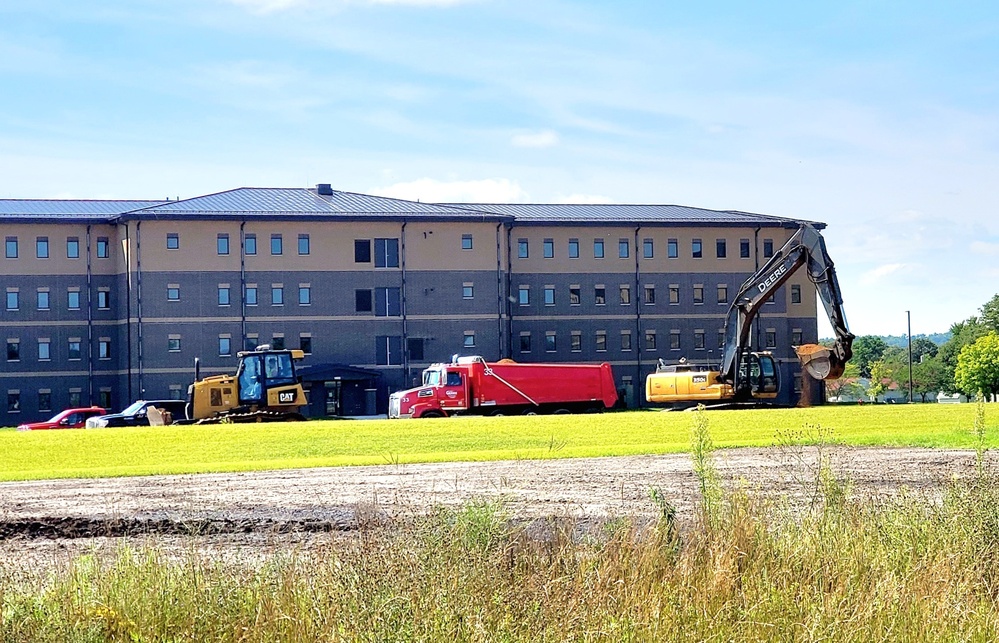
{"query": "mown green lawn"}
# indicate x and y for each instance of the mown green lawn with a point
(193, 449)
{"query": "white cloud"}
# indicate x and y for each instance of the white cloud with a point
(434, 191)
(877, 275)
(984, 248)
(584, 198)
(544, 138)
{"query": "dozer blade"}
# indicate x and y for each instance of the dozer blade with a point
(820, 362)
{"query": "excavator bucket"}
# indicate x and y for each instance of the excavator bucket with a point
(820, 362)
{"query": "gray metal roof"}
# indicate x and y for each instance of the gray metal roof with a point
(616, 214)
(61, 210)
(301, 203)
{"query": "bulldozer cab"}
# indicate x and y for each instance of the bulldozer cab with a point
(261, 371)
(759, 376)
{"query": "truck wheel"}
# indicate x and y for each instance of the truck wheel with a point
(497, 414)
(530, 412)
(432, 414)
(562, 412)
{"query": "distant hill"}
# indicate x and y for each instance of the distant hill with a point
(899, 340)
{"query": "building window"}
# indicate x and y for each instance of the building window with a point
(305, 345)
(674, 340)
(73, 297)
(13, 350)
(173, 241)
(469, 339)
(251, 295)
(768, 248)
(12, 247)
(574, 297)
(549, 295)
(386, 253)
(277, 244)
(45, 400)
(698, 294)
(468, 290)
(525, 342)
(173, 343)
(173, 293)
(104, 348)
(225, 346)
(522, 249)
(623, 248)
(74, 398)
(524, 295)
(43, 300)
(224, 295)
(104, 398)
(303, 244)
(277, 342)
(674, 294)
(277, 295)
(626, 340)
(74, 349)
(598, 248)
(304, 295)
(574, 248)
(650, 340)
(548, 248)
(466, 242)
(696, 249)
(744, 248)
(722, 294)
(698, 340)
(771, 338)
(362, 251)
(795, 294)
(550, 345)
(222, 244)
(42, 247)
(388, 350)
(648, 249)
(103, 248)
(672, 248)
(721, 249)
(44, 350)
(250, 244)
(362, 301)
(13, 401)
(601, 341)
(414, 345)
(599, 295)
(13, 300)
(73, 248)
(650, 294)
(251, 341)
(796, 337)
(625, 293)
(388, 302)
(104, 300)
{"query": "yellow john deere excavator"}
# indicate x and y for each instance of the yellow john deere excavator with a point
(752, 376)
(264, 389)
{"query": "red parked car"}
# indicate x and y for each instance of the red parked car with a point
(68, 419)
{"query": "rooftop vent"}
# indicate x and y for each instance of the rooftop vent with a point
(324, 189)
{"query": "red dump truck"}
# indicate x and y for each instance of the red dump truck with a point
(472, 386)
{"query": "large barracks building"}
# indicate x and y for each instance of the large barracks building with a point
(107, 302)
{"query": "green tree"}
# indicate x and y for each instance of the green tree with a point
(990, 314)
(930, 376)
(845, 384)
(962, 334)
(977, 369)
(922, 346)
(868, 349)
(881, 373)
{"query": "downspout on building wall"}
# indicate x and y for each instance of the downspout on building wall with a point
(502, 337)
(509, 286)
(90, 324)
(128, 309)
(402, 305)
(242, 287)
(138, 302)
(637, 386)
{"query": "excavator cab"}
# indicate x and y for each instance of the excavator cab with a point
(758, 376)
(264, 388)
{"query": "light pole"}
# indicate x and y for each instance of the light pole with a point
(908, 339)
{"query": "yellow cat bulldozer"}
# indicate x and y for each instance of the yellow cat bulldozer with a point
(265, 388)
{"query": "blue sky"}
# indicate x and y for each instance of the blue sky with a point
(879, 119)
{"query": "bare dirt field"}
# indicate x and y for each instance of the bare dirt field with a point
(262, 512)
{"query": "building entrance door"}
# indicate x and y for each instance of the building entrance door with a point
(333, 398)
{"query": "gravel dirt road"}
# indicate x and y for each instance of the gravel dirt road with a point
(264, 511)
